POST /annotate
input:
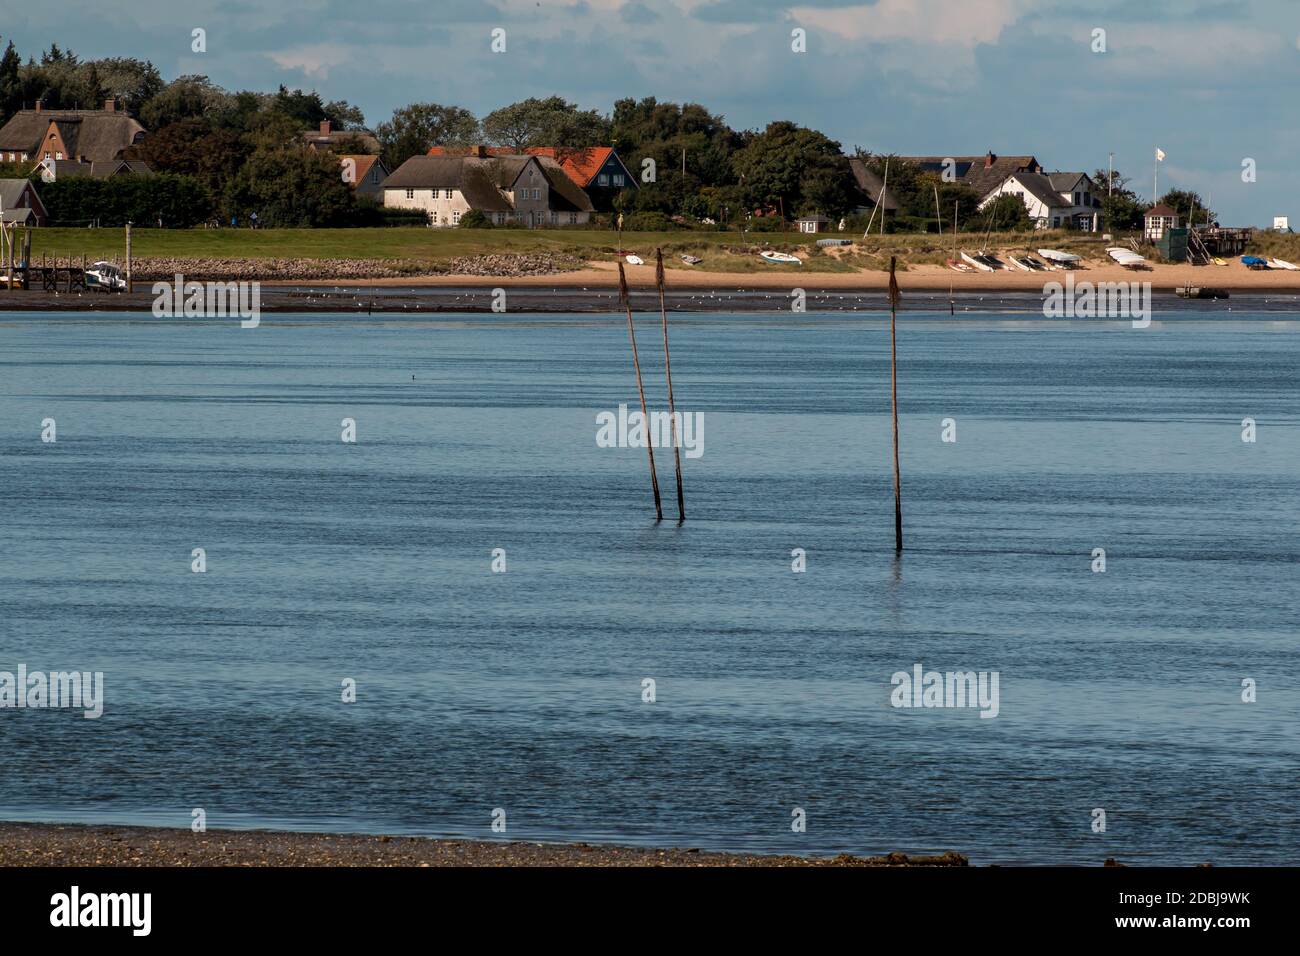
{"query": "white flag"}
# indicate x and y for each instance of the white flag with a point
(1160, 154)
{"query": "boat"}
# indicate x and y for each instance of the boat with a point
(1059, 258)
(977, 261)
(956, 266)
(1019, 264)
(105, 275)
(1283, 264)
(634, 259)
(781, 257)
(834, 242)
(1220, 262)
(1200, 292)
(1254, 262)
(1126, 257)
(691, 260)
(1035, 264)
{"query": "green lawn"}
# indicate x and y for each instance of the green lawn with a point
(721, 251)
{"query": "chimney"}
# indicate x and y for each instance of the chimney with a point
(325, 127)
(110, 105)
(38, 106)
(988, 160)
(479, 151)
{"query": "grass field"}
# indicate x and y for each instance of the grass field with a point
(721, 251)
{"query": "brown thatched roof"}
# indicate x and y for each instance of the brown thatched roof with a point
(94, 135)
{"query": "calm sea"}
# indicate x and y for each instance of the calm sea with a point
(371, 561)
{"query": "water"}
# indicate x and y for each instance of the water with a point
(523, 690)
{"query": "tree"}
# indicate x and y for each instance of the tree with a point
(290, 185)
(665, 132)
(130, 81)
(11, 89)
(545, 122)
(796, 169)
(1007, 213)
(344, 115)
(415, 128)
(185, 97)
(1121, 208)
(1189, 206)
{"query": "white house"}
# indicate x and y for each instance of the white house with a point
(1053, 200)
(530, 190)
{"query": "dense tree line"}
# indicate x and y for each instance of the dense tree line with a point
(245, 153)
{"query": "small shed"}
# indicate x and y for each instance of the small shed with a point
(812, 223)
(1158, 220)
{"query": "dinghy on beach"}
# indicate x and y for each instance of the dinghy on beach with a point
(691, 260)
(1126, 257)
(976, 261)
(634, 259)
(780, 257)
(1058, 258)
(1283, 264)
(956, 266)
(1019, 264)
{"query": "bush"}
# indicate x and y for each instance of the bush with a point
(179, 201)
(475, 220)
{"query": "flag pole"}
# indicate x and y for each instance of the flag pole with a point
(668, 371)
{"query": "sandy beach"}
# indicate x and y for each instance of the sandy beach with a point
(41, 844)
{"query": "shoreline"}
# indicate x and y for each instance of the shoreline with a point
(57, 844)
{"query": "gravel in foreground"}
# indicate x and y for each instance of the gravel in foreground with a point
(40, 844)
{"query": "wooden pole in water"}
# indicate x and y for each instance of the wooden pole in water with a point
(645, 415)
(668, 371)
(893, 385)
(128, 257)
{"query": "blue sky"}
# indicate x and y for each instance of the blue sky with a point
(1212, 82)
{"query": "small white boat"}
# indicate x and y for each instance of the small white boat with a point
(105, 275)
(783, 257)
(1058, 257)
(1034, 264)
(1283, 264)
(691, 260)
(1126, 257)
(956, 266)
(634, 259)
(1019, 264)
(976, 261)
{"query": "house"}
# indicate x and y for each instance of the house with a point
(20, 204)
(52, 170)
(1053, 200)
(93, 136)
(982, 173)
(529, 190)
(327, 138)
(871, 188)
(812, 224)
(365, 174)
(1158, 220)
(596, 170)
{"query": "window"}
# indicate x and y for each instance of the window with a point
(555, 218)
(618, 179)
(573, 219)
(47, 154)
(446, 194)
(410, 194)
(501, 219)
(455, 218)
(374, 175)
(58, 155)
(602, 180)
(1077, 199)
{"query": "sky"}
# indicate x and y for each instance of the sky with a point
(1211, 82)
